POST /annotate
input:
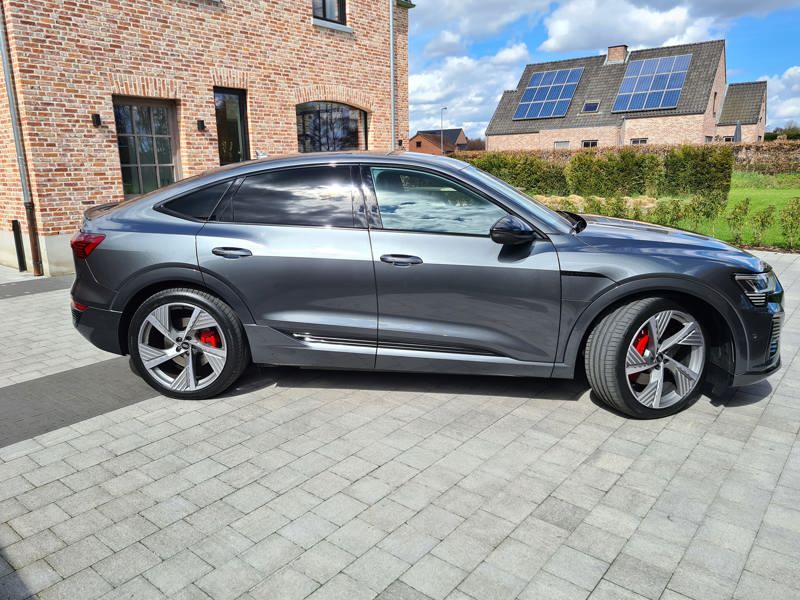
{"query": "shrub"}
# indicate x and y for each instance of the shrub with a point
(790, 222)
(761, 221)
(699, 170)
(616, 207)
(567, 205)
(524, 170)
(593, 206)
(736, 219)
(636, 211)
(705, 207)
(622, 173)
(668, 213)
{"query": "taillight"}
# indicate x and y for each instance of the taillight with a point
(83, 244)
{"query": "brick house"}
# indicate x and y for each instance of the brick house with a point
(118, 97)
(430, 141)
(671, 95)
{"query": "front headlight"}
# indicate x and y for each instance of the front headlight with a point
(760, 288)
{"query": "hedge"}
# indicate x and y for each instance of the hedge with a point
(684, 170)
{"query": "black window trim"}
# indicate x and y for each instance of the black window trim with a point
(342, 20)
(358, 224)
(590, 112)
(162, 205)
(374, 213)
(241, 94)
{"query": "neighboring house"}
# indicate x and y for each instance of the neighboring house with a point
(672, 95)
(119, 97)
(430, 141)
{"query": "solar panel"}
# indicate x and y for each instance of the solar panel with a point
(548, 94)
(653, 83)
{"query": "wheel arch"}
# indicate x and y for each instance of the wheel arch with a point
(722, 323)
(136, 290)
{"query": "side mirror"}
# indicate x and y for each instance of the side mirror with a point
(512, 231)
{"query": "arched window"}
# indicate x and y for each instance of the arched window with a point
(329, 126)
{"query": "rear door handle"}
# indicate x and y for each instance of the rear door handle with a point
(232, 252)
(401, 260)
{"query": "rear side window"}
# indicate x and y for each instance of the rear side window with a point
(198, 204)
(315, 197)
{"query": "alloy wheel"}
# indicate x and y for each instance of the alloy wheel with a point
(182, 346)
(665, 359)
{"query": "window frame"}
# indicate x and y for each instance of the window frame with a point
(590, 112)
(557, 147)
(241, 94)
(372, 206)
(357, 201)
(639, 141)
(590, 143)
(172, 116)
(342, 20)
(363, 122)
(233, 185)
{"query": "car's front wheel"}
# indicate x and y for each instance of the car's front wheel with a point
(647, 359)
(187, 344)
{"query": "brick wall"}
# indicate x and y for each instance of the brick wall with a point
(546, 139)
(71, 58)
(427, 145)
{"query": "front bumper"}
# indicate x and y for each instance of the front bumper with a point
(764, 327)
(100, 327)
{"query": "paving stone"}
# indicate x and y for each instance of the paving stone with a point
(638, 576)
(606, 590)
(322, 561)
(576, 567)
(696, 582)
(546, 585)
(402, 591)
(28, 580)
(408, 544)
(285, 584)
(491, 583)
(168, 511)
(342, 586)
(38, 520)
(272, 553)
(78, 556)
(31, 549)
(377, 569)
(307, 530)
(230, 580)
(357, 536)
(221, 546)
(172, 539)
(518, 559)
(596, 542)
(433, 576)
(435, 521)
(177, 572)
(126, 532)
(260, 523)
(79, 527)
(126, 564)
(85, 585)
(294, 503)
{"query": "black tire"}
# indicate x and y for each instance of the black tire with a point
(238, 352)
(605, 356)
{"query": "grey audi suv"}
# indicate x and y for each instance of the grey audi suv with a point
(407, 262)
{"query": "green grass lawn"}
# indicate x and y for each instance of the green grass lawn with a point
(762, 190)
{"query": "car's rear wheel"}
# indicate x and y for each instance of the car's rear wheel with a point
(187, 344)
(647, 359)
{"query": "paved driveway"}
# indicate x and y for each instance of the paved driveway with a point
(350, 486)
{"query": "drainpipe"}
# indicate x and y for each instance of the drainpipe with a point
(22, 163)
(392, 76)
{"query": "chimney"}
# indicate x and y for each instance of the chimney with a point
(617, 54)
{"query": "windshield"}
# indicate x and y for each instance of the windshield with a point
(543, 212)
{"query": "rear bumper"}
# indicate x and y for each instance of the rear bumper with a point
(100, 327)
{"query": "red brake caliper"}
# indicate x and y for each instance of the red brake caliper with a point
(210, 337)
(640, 344)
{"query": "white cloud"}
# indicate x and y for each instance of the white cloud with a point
(783, 104)
(469, 87)
(475, 18)
(444, 44)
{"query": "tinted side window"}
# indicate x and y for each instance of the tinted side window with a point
(316, 196)
(416, 201)
(198, 204)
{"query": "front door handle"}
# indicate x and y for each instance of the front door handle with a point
(232, 252)
(401, 260)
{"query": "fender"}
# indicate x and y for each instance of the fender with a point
(180, 274)
(569, 344)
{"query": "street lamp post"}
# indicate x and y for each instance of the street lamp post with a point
(441, 128)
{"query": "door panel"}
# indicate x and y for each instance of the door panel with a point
(311, 289)
(469, 295)
(449, 298)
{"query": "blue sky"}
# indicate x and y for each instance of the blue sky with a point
(464, 53)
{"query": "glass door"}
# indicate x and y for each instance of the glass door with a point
(231, 110)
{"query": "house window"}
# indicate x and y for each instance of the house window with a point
(330, 10)
(715, 105)
(728, 138)
(231, 111)
(146, 142)
(638, 141)
(589, 143)
(591, 107)
(709, 139)
(328, 126)
(419, 144)
(561, 145)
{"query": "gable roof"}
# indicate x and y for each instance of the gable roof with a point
(743, 103)
(436, 140)
(450, 135)
(600, 83)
